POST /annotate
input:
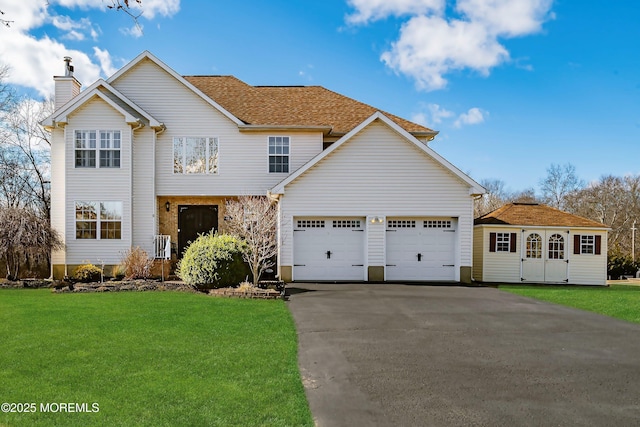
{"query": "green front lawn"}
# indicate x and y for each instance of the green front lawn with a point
(149, 358)
(620, 301)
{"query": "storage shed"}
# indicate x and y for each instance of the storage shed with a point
(535, 243)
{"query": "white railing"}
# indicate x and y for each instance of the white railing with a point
(162, 245)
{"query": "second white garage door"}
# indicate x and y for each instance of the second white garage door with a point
(421, 249)
(328, 249)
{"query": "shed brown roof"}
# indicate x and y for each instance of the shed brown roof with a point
(292, 105)
(533, 214)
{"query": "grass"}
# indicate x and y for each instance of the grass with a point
(619, 301)
(157, 359)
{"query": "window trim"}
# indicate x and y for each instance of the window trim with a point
(97, 206)
(97, 149)
(288, 155)
(579, 246)
(511, 241)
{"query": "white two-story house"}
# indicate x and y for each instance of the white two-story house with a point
(148, 153)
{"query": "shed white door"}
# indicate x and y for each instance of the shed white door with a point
(533, 256)
(421, 249)
(544, 256)
(328, 249)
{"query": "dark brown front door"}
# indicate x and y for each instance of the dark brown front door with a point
(194, 220)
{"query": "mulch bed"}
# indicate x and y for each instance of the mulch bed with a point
(57, 286)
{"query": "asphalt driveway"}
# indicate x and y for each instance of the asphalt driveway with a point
(398, 355)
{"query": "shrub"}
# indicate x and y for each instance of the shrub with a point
(213, 261)
(87, 273)
(136, 263)
(619, 265)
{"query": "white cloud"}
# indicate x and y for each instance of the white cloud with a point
(104, 58)
(149, 8)
(371, 10)
(34, 61)
(434, 114)
(135, 31)
(472, 117)
(430, 47)
(432, 44)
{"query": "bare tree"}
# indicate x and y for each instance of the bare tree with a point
(25, 156)
(25, 237)
(612, 201)
(495, 197)
(255, 220)
(560, 182)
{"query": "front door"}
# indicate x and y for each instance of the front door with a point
(194, 220)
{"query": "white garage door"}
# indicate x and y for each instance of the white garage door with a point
(328, 249)
(421, 248)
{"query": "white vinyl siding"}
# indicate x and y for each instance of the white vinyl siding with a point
(500, 266)
(58, 182)
(97, 184)
(351, 182)
(143, 197)
(242, 155)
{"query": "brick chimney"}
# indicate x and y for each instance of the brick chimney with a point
(66, 86)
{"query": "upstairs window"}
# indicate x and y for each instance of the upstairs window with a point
(85, 148)
(278, 154)
(194, 155)
(88, 149)
(109, 149)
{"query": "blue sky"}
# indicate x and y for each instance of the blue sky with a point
(512, 85)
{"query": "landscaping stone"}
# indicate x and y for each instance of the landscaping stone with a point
(256, 293)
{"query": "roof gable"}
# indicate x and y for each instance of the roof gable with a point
(146, 55)
(533, 214)
(474, 187)
(132, 113)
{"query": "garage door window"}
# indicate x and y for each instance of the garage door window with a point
(346, 223)
(310, 223)
(401, 223)
(437, 224)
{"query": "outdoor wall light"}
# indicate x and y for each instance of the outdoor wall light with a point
(376, 219)
(167, 206)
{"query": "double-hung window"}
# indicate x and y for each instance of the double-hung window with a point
(98, 220)
(85, 146)
(109, 149)
(195, 155)
(91, 145)
(278, 154)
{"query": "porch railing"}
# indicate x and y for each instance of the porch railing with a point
(162, 245)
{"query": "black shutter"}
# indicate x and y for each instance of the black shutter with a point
(598, 245)
(512, 242)
(492, 242)
(576, 244)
